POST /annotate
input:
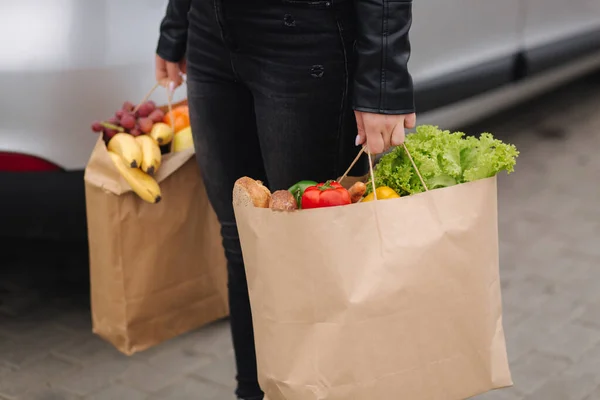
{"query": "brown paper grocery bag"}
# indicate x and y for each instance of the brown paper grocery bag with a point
(157, 270)
(388, 300)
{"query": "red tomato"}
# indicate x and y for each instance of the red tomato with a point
(328, 194)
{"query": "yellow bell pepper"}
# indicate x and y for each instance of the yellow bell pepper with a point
(383, 193)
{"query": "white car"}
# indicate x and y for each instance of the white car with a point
(65, 63)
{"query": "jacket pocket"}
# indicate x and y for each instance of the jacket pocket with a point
(320, 4)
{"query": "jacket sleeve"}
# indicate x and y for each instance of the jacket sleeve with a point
(382, 83)
(173, 31)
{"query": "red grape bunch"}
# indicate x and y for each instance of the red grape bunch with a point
(130, 120)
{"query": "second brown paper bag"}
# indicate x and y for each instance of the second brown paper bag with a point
(157, 270)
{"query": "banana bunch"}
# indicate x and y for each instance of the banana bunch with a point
(161, 133)
(137, 159)
(151, 157)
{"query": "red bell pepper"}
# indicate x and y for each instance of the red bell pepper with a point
(328, 194)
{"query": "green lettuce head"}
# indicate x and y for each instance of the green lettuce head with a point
(444, 159)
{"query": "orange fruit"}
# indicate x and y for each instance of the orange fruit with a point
(180, 116)
(181, 122)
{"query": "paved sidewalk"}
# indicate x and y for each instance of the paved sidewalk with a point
(550, 248)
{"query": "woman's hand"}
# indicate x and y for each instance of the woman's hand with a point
(169, 73)
(382, 131)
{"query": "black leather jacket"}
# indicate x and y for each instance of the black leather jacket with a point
(382, 83)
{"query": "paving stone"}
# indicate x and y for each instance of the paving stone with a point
(535, 370)
(118, 392)
(93, 377)
(571, 341)
(185, 343)
(179, 359)
(595, 395)
(33, 345)
(566, 387)
(576, 227)
(5, 369)
(568, 259)
(49, 393)
(559, 309)
(221, 371)
(148, 378)
(191, 389)
(585, 284)
(501, 394)
(15, 328)
(521, 231)
(523, 338)
(87, 349)
(50, 367)
(214, 339)
(590, 362)
(6, 345)
(588, 246)
(77, 320)
(528, 293)
(512, 316)
(17, 383)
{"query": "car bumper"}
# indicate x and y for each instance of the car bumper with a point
(43, 205)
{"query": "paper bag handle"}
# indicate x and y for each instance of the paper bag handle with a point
(360, 153)
(169, 104)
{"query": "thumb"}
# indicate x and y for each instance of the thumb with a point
(362, 134)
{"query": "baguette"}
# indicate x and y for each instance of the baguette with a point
(249, 192)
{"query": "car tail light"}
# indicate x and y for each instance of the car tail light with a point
(15, 162)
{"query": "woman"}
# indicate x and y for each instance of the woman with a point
(272, 85)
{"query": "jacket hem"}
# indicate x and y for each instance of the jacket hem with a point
(169, 51)
(404, 111)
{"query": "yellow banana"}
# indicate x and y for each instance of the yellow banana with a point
(162, 133)
(124, 145)
(142, 184)
(183, 140)
(151, 156)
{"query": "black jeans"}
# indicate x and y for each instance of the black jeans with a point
(268, 85)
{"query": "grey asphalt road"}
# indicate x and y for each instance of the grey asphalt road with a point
(550, 249)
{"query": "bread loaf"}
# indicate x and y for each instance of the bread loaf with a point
(283, 200)
(249, 192)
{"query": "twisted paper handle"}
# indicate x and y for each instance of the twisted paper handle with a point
(169, 105)
(360, 153)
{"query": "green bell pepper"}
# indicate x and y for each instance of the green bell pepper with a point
(298, 190)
